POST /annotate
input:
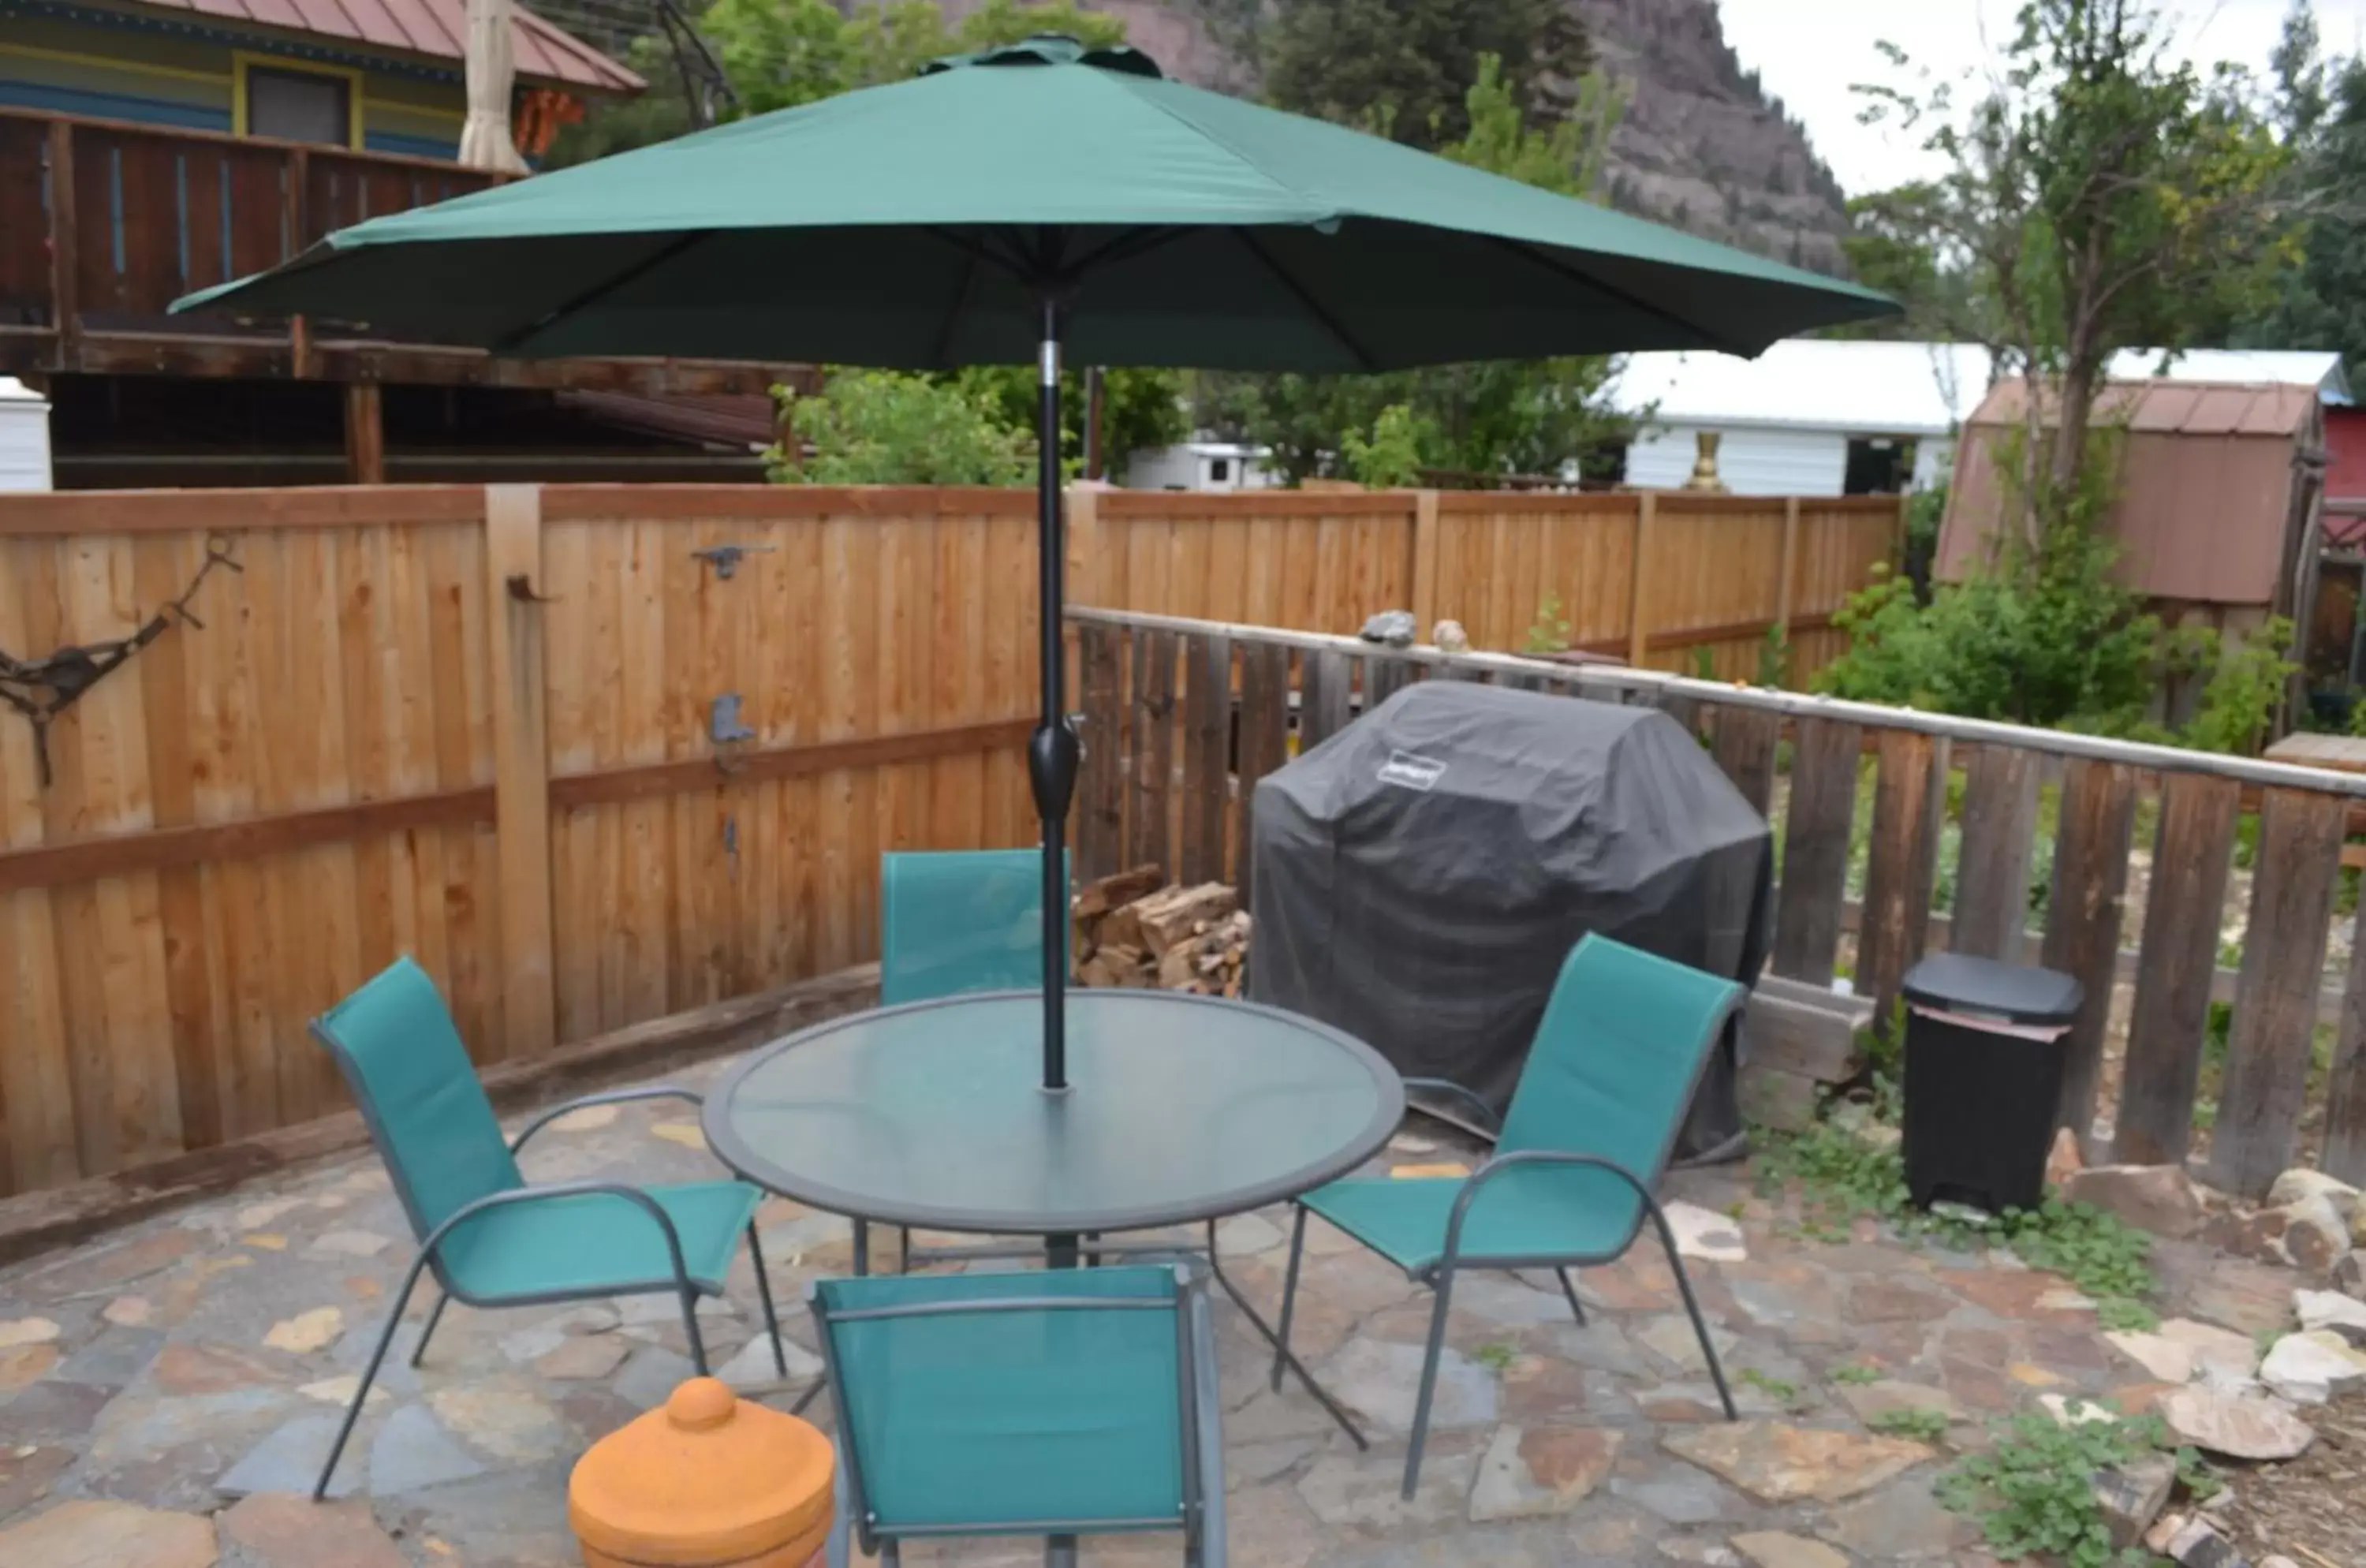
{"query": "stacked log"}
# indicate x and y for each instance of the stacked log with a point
(1135, 929)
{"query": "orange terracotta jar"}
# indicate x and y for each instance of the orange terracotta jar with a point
(708, 1481)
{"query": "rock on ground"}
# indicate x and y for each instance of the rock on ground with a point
(2157, 1198)
(1776, 1462)
(109, 1535)
(2240, 1426)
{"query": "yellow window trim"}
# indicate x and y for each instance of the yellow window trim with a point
(241, 62)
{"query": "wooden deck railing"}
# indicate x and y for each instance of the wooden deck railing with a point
(104, 223)
(1170, 774)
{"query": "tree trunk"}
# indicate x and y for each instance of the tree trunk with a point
(2080, 374)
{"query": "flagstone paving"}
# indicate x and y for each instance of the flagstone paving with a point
(163, 1390)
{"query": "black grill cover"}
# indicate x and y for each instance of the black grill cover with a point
(1419, 877)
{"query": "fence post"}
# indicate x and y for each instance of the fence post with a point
(1425, 562)
(1789, 568)
(1637, 631)
(513, 613)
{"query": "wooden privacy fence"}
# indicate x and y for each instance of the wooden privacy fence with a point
(1706, 573)
(1172, 760)
(596, 754)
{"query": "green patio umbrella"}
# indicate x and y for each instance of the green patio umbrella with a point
(1004, 205)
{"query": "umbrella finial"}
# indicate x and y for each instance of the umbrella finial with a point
(1053, 49)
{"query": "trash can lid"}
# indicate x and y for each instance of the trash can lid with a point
(1955, 982)
(707, 1478)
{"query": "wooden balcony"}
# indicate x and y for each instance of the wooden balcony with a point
(104, 223)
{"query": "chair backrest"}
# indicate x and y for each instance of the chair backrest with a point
(1617, 1055)
(1043, 1403)
(960, 920)
(395, 1043)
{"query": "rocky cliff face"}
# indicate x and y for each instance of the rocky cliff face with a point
(1701, 147)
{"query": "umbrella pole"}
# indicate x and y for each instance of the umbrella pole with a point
(1052, 749)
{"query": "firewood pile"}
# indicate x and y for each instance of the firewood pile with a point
(1134, 928)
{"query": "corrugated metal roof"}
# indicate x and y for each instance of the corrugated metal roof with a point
(2175, 408)
(435, 28)
(1903, 389)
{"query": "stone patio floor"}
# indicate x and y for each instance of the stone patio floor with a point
(163, 1390)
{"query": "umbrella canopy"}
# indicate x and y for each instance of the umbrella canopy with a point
(916, 224)
(1004, 202)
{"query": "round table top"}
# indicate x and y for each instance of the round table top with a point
(1180, 1108)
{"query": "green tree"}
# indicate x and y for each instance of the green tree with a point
(1391, 458)
(1405, 68)
(781, 53)
(869, 427)
(1500, 417)
(2099, 194)
(1139, 408)
(2321, 109)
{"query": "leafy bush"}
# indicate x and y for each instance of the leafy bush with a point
(2033, 1490)
(872, 427)
(1550, 631)
(1389, 458)
(2239, 704)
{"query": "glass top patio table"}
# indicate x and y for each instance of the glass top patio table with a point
(1180, 1108)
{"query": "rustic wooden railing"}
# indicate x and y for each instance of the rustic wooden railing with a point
(105, 223)
(1182, 717)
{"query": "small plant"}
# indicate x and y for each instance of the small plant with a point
(2033, 1490)
(1704, 664)
(1775, 658)
(2123, 1314)
(1550, 632)
(1774, 1388)
(1920, 1426)
(1495, 1358)
(1859, 1373)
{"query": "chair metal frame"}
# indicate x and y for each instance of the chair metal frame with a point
(1198, 1406)
(429, 1257)
(1439, 1274)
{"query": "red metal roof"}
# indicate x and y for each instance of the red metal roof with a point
(436, 28)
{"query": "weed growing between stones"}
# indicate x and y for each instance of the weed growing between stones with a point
(1922, 1425)
(2035, 1491)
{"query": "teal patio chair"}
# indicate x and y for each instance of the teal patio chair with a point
(1057, 1404)
(950, 921)
(1585, 1143)
(491, 1239)
(955, 921)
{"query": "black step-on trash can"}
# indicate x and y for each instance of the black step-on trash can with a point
(1983, 1078)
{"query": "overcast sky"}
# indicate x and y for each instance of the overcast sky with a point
(1808, 51)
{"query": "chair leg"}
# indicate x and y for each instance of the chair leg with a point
(1692, 1306)
(369, 1373)
(427, 1329)
(1289, 1296)
(1569, 1289)
(690, 1328)
(764, 1294)
(1444, 1289)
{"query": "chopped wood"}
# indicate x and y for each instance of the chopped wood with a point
(1098, 898)
(1170, 916)
(1173, 938)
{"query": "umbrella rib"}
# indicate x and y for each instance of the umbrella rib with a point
(511, 342)
(1305, 297)
(1563, 270)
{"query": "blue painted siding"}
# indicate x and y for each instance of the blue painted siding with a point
(409, 146)
(113, 106)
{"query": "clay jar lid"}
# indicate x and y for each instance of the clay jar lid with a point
(706, 1478)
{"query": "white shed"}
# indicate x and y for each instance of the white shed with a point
(1217, 466)
(23, 437)
(1812, 416)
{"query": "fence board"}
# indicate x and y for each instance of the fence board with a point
(1322, 712)
(1153, 749)
(1265, 722)
(1999, 839)
(1899, 874)
(2183, 910)
(1744, 748)
(1100, 810)
(1816, 849)
(2082, 920)
(2269, 1050)
(1207, 761)
(2345, 1106)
